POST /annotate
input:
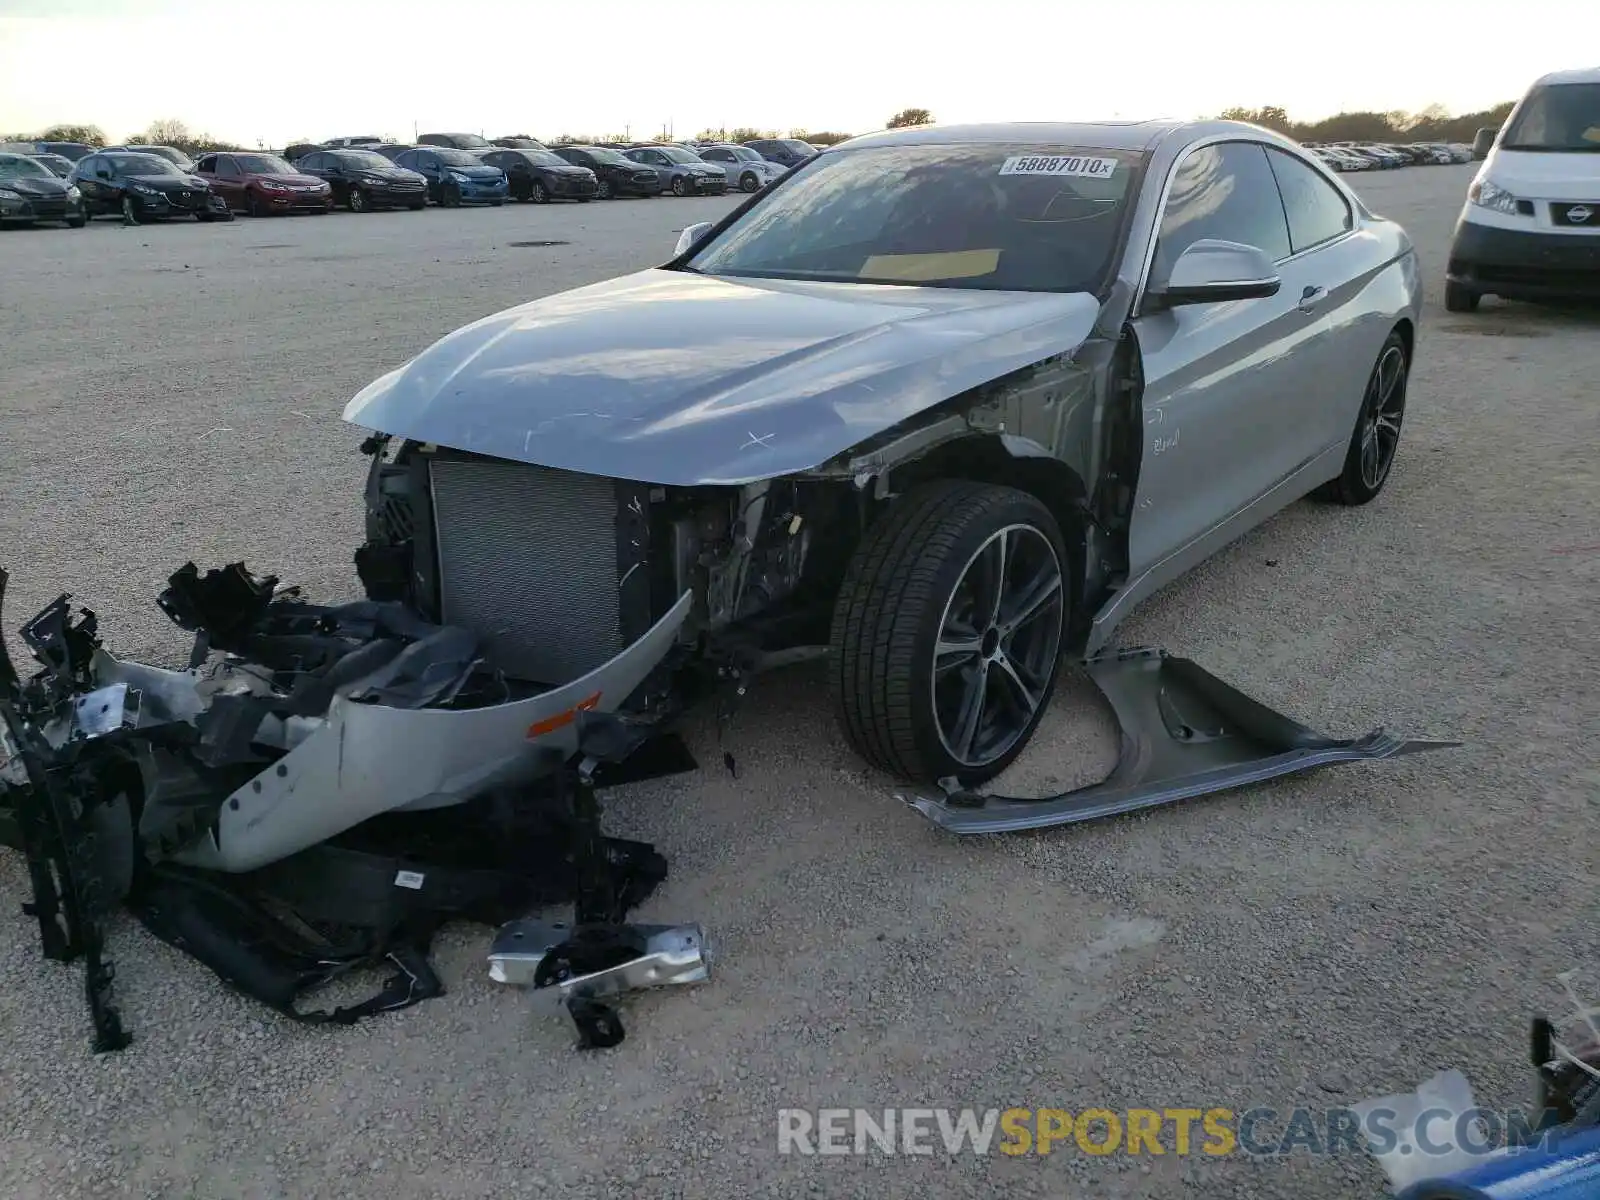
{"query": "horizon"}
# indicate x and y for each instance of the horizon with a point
(305, 70)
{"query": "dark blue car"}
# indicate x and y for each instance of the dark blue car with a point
(456, 177)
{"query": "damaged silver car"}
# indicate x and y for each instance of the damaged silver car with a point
(944, 403)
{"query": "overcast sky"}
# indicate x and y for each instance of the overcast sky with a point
(286, 69)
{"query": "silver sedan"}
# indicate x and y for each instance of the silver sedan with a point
(746, 170)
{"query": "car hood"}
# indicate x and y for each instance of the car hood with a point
(1525, 171)
(294, 180)
(675, 378)
(34, 185)
(170, 183)
(397, 174)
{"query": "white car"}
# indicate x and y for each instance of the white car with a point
(1530, 227)
(744, 167)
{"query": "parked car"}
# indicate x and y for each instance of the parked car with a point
(1530, 227)
(933, 429)
(295, 151)
(542, 176)
(456, 141)
(788, 152)
(456, 177)
(75, 151)
(58, 165)
(741, 166)
(362, 142)
(390, 150)
(614, 174)
(362, 180)
(262, 184)
(520, 143)
(144, 187)
(171, 153)
(30, 192)
(682, 171)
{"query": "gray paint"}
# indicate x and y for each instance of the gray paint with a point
(675, 378)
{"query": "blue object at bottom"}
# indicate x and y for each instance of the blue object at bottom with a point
(1566, 1167)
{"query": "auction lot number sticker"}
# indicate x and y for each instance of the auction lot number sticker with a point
(1076, 165)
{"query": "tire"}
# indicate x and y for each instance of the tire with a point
(584, 199)
(418, 205)
(252, 205)
(77, 222)
(1377, 431)
(357, 201)
(680, 186)
(749, 183)
(538, 193)
(449, 197)
(496, 203)
(1458, 298)
(130, 211)
(909, 579)
(605, 191)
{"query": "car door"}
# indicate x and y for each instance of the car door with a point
(1222, 381)
(426, 164)
(229, 181)
(1327, 272)
(88, 184)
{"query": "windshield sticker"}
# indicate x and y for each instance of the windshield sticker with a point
(1071, 165)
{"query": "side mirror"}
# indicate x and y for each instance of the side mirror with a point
(691, 236)
(1212, 271)
(1484, 142)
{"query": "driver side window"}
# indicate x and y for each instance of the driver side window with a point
(227, 168)
(1224, 191)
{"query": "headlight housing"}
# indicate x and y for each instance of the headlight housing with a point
(459, 177)
(144, 189)
(8, 194)
(1486, 193)
(73, 193)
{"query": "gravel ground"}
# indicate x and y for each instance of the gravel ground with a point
(174, 392)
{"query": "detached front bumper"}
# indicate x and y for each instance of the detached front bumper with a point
(1525, 265)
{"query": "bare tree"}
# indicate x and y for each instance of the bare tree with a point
(908, 117)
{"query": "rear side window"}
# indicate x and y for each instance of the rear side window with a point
(1317, 212)
(227, 168)
(1227, 192)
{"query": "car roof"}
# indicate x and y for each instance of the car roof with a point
(1576, 75)
(1100, 135)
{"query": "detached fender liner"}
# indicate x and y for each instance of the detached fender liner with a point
(1185, 733)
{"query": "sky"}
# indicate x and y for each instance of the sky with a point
(287, 70)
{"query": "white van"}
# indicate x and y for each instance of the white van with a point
(1530, 228)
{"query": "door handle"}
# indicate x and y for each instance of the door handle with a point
(1311, 297)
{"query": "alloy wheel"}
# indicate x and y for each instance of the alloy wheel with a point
(998, 640)
(130, 211)
(1382, 413)
(358, 200)
(537, 194)
(680, 186)
(604, 191)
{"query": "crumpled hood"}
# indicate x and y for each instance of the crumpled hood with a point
(36, 185)
(675, 378)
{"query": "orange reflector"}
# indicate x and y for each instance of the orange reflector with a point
(562, 719)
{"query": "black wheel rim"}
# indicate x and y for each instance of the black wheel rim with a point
(999, 637)
(1381, 416)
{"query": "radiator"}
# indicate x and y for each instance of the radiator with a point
(528, 561)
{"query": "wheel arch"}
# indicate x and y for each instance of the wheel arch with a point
(1408, 335)
(1021, 463)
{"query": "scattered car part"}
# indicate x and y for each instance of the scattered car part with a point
(598, 957)
(1185, 733)
(126, 783)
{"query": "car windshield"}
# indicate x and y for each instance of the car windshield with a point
(263, 164)
(18, 167)
(678, 154)
(612, 157)
(176, 157)
(57, 163)
(998, 217)
(745, 154)
(1559, 118)
(363, 160)
(545, 158)
(797, 147)
(141, 164)
(458, 158)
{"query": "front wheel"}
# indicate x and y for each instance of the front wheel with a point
(680, 186)
(1458, 298)
(1377, 434)
(537, 192)
(749, 183)
(947, 631)
(450, 197)
(130, 211)
(606, 192)
(253, 205)
(358, 201)
(77, 222)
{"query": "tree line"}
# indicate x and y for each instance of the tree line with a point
(1431, 124)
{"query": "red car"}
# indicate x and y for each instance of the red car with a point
(262, 184)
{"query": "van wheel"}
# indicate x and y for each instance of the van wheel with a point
(1458, 298)
(947, 631)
